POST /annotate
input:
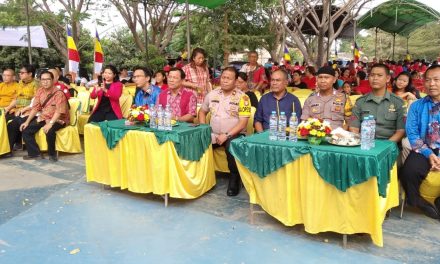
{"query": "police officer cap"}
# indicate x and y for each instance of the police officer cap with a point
(326, 70)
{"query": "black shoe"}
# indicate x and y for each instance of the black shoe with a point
(17, 146)
(437, 203)
(428, 209)
(53, 158)
(234, 185)
(27, 157)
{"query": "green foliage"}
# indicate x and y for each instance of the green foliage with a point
(120, 51)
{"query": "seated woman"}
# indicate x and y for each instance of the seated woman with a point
(347, 88)
(161, 79)
(402, 87)
(243, 86)
(108, 94)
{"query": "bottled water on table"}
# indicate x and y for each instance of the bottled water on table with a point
(160, 118)
(373, 132)
(153, 117)
(167, 118)
(293, 125)
(273, 126)
(366, 133)
(282, 124)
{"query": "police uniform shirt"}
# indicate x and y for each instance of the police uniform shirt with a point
(330, 108)
(388, 112)
(226, 110)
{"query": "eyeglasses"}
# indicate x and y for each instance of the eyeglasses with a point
(45, 80)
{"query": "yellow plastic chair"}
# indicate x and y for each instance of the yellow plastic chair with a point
(258, 95)
(125, 101)
(429, 189)
(422, 95)
(129, 90)
(250, 125)
(84, 97)
(302, 93)
(80, 88)
(67, 139)
(354, 97)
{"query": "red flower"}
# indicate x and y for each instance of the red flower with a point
(327, 130)
(140, 117)
(303, 132)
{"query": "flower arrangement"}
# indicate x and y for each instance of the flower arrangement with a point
(314, 127)
(138, 114)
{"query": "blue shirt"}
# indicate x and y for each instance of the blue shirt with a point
(269, 103)
(423, 126)
(149, 97)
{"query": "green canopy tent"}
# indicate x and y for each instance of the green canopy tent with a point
(211, 4)
(398, 17)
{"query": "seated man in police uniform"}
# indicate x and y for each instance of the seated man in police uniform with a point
(230, 110)
(387, 108)
(327, 104)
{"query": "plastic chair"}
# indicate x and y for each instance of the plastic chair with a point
(67, 138)
(125, 101)
(354, 97)
(84, 97)
(250, 125)
(429, 189)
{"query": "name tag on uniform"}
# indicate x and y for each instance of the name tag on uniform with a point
(215, 101)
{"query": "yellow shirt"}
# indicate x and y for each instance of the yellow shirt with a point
(8, 91)
(25, 93)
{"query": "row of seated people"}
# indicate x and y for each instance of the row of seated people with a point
(230, 110)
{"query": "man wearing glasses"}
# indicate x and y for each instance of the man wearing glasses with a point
(25, 92)
(54, 114)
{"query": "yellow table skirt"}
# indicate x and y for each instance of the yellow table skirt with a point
(4, 141)
(296, 194)
(138, 163)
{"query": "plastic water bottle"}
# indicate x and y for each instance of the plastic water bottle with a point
(373, 131)
(153, 117)
(273, 126)
(293, 125)
(160, 118)
(282, 124)
(365, 134)
(167, 118)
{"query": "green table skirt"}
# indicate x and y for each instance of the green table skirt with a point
(342, 167)
(190, 142)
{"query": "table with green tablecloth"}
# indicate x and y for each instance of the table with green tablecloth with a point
(325, 187)
(144, 160)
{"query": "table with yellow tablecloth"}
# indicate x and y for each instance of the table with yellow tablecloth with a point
(4, 141)
(300, 191)
(138, 162)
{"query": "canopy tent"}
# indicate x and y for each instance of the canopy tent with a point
(398, 17)
(211, 4)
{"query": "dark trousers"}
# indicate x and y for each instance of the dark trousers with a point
(12, 117)
(99, 116)
(14, 132)
(413, 172)
(232, 165)
(29, 137)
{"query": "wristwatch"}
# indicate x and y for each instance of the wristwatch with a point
(228, 135)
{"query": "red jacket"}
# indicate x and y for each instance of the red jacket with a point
(113, 93)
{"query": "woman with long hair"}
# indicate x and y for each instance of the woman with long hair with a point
(197, 74)
(403, 88)
(161, 79)
(108, 93)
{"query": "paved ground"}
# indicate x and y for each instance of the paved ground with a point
(49, 214)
